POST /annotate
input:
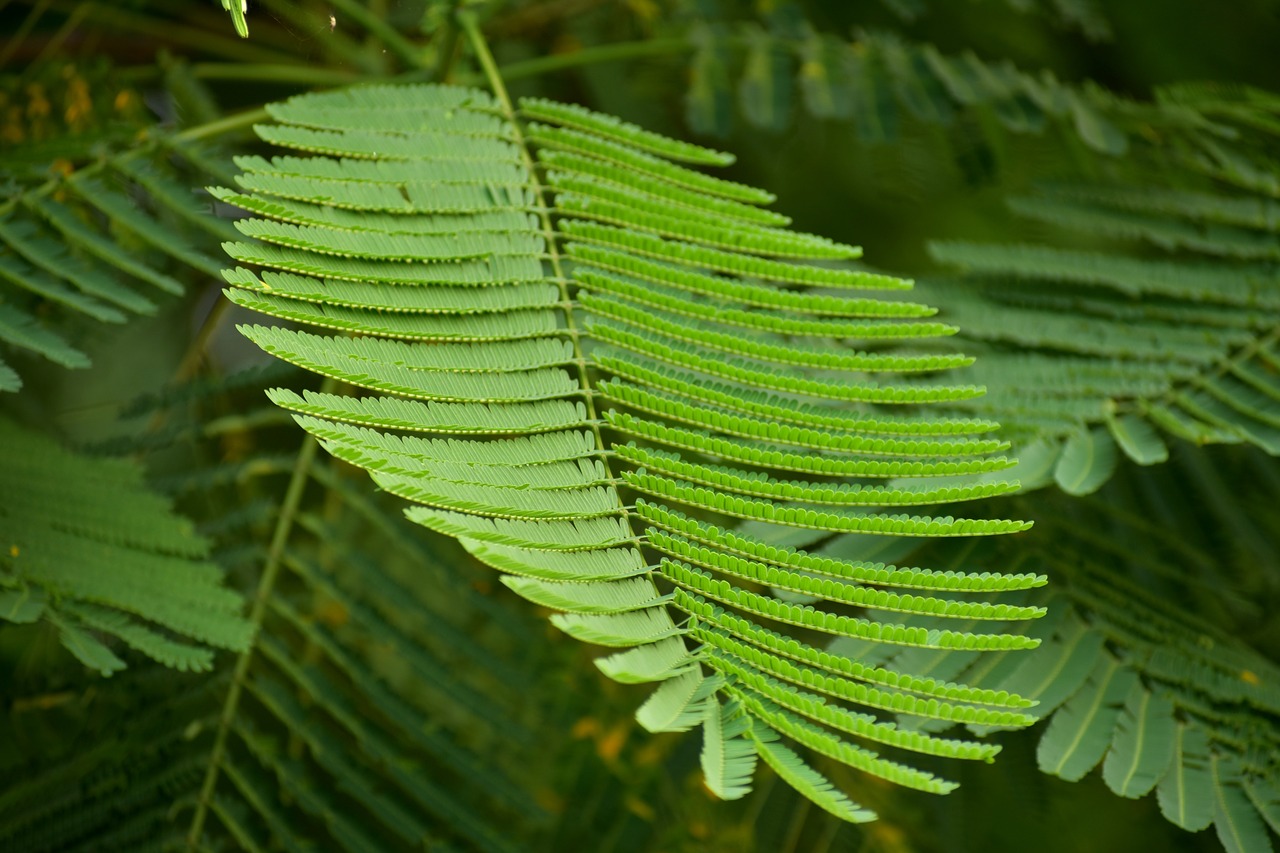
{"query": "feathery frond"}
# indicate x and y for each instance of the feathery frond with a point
(595, 218)
(878, 81)
(1126, 350)
(1160, 700)
(371, 713)
(88, 237)
(112, 562)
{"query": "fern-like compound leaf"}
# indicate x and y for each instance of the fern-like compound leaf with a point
(104, 238)
(1168, 703)
(554, 334)
(85, 545)
(1117, 349)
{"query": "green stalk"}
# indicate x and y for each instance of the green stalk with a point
(228, 124)
(472, 29)
(485, 58)
(266, 585)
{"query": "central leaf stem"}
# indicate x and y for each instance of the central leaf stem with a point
(485, 58)
(266, 585)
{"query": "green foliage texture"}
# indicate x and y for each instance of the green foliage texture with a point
(419, 431)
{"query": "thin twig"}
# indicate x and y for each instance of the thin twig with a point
(266, 585)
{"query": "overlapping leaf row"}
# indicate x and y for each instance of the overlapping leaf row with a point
(1125, 349)
(880, 83)
(666, 312)
(398, 741)
(162, 596)
(392, 677)
(399, 717)
(83, 246)
(1165, 705)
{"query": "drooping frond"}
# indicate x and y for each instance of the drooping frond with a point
(1103, 354)
(87, 548)
(113, 788)
(1132, 682)
(106, 238)
(767, 71)
(373, 713)
(556, 335)
(1160, 708)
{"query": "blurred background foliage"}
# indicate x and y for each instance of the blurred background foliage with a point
(465, 718)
